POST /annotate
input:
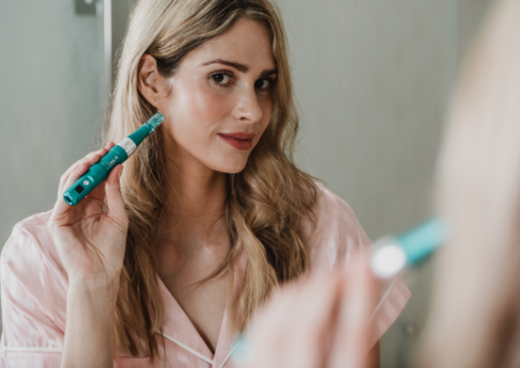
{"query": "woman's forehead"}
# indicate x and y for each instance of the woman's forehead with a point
(247, 44)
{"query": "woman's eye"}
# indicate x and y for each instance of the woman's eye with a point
(221, 79)
(225, 80)
(263, 84)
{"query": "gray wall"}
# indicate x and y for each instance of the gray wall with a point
(51, 101)
(372, 78)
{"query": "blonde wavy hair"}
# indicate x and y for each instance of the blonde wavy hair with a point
(475, 314)
(266, 202)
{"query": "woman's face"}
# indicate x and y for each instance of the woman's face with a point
(219, 102)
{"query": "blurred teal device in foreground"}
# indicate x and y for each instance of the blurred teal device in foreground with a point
(390, 256)
(393, 253)
(117, 155)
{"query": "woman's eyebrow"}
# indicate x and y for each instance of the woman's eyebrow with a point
(267, 73)
(240, 67)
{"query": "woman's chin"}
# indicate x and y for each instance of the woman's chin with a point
(231, 167)
(235, 170)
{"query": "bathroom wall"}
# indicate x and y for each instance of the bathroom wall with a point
(51, 101)
(373, 79)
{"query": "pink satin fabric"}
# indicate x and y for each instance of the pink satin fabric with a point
(34, 289)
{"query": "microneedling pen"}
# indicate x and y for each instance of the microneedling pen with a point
(394, 253)
(117, 155)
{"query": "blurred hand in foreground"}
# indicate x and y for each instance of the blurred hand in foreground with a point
(320, 321)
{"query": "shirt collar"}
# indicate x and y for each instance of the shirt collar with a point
(178, 328)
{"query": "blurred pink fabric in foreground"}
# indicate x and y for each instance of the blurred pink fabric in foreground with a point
(34, 293)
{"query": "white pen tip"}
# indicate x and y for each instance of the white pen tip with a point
(388, 260)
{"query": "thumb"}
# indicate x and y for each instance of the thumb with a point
(115, 201)
(354, 334)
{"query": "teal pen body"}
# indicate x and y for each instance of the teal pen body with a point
(117, 155)
(95, 175)
(393, 253)
(422, 240)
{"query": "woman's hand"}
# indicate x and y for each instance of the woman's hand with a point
(91, 245)
(319, 322)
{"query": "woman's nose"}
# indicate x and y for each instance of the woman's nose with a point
(247, 108)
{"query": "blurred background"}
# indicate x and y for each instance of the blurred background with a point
(373, 80)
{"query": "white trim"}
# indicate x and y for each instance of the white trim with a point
(228, 356)
(128, 145)
(31, 349)
(194, 352)
(387, 292)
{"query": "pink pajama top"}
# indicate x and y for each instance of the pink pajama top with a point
(34, 293)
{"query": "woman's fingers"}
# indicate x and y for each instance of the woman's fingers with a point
(320, 322)
(90, 159)
(73, 173)
(359, 299)
(99, 192)
(306, 337)
(62, 212)
(115, 201)
(293, 328)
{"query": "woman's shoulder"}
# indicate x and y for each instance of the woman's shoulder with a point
(30, 256)
(30, 240)
(338, 231)
(330, 206)
(33, 286)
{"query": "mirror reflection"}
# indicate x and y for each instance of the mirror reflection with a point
(292, 136)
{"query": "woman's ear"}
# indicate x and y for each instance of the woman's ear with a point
(150, 82)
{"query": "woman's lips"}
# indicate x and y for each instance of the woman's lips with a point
(241, 144)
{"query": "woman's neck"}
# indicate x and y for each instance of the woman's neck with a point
(196, 197)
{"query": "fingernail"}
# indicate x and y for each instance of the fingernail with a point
(119, 175)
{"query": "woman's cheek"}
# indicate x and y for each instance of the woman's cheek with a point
(267, 108)
(208, 103)
(206, 115)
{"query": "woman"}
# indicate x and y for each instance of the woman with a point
(208, 216)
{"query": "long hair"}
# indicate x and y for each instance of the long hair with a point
(265, 203)
(474, 320)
